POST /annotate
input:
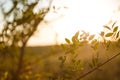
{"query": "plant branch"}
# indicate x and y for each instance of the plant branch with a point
(97, 67)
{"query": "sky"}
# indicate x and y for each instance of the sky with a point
(68, 17)
(73, 16)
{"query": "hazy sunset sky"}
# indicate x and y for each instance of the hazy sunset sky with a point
(71, 16)
(74, 15)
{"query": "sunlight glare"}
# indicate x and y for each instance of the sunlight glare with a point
(87, 15)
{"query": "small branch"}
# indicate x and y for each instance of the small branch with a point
(97, 67)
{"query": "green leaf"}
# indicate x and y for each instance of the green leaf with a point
(76, 34)
(114, 24)
(67, 40)
(115, 29)
(117, 34)
(91, 37)
(107, 27)
(108, 34)
(75, 38)
(64, 46)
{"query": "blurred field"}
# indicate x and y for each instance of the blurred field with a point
(50, 63)
(42, 61)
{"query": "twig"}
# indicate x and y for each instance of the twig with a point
(97, 67)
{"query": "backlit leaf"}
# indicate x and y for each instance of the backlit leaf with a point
(76, 34)
(107, 27)
(67, 40)
(108, 34)
(115, 29)
(114, 24)
(75, 38)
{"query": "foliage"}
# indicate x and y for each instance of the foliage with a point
(71, 58)
(21, 22)
(16, 33)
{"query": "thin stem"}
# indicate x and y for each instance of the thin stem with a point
(97, 67)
